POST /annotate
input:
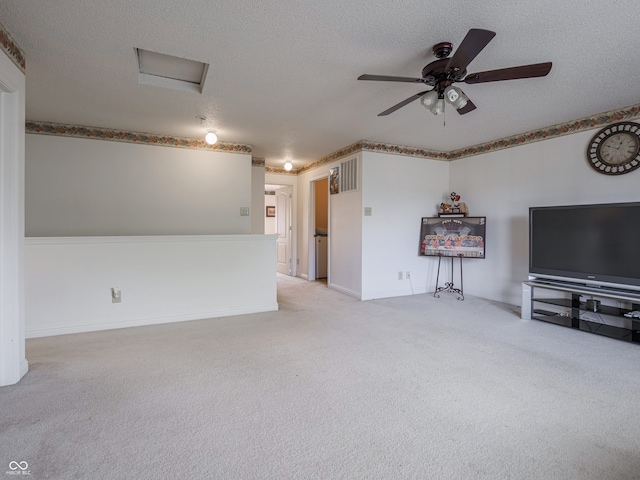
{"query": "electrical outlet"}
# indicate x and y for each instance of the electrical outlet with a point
(399, 275)
(408, 275)
(116, 295)
(244, 211)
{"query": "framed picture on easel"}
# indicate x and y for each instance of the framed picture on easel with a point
(462, 237)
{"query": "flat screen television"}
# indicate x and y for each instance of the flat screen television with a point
(453, 237)
(587, 244)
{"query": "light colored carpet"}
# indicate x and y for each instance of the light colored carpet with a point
(330, 388)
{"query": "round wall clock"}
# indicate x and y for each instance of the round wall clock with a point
(615, 149)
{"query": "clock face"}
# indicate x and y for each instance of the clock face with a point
(615, 150)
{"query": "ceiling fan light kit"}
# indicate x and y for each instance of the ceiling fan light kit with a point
(443, 72)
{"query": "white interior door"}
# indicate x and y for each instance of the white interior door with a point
(283, 229)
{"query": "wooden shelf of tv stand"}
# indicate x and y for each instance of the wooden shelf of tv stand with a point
(577, 306)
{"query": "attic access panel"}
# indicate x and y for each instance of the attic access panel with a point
(168, 71)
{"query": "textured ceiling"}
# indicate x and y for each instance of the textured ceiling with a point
(282, 75)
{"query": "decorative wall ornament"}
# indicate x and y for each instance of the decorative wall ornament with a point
(96, 133)
(11, 48)
(615, 149)
(452, 206)
(334, 181)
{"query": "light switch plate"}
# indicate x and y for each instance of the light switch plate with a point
(244, 211)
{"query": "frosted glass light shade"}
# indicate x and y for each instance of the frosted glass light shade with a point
(455, 97)
(288, 166)
(211, 138)
(429, 99)
(438, 107)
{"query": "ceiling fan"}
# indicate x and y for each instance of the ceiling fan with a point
(442, 73)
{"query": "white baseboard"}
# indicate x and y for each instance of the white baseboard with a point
(139, 322)
(404, 291)
(346, 291)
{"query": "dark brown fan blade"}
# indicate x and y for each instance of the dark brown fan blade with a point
(470, 47)
(469, 107)
(512, 73)
(402, 103)
(385, 78)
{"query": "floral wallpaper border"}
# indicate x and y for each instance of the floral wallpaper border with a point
(587, 123)
(11, 48)
(96, 133)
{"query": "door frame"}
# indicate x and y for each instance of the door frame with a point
(312, 230)
(13, 363)
(283, 222)
(277, 181)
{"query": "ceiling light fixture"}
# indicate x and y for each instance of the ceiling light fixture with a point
(434, 101)
(288, 166)
(211, 138)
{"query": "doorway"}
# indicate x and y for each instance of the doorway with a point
(319, 252)
(278, 221)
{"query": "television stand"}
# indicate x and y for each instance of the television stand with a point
(589, 315)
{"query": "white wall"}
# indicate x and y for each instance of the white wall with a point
(77, 187)
(345, 232)
(100, 214)
(162, 279)
(400, 190)
(503, 185)
(366, 253)
(269, 222)
(345, 241)
(13, 364)
(257, 200)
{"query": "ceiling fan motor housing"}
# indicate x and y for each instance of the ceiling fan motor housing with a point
(436, 74)
(442, 49)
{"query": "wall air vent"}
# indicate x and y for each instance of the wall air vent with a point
(349, 175)
(161, 70)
